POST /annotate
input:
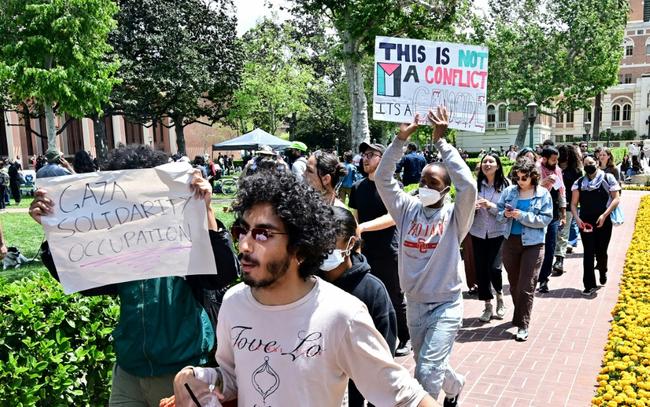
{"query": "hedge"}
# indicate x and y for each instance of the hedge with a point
(625, 375)
(55, 349)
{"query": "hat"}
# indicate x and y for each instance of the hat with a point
(184, 159)
(373, 146)
(298, 145)
(265, 150)
(53, 155)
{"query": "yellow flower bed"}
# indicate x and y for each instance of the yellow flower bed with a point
(636, 187)
(624, 379)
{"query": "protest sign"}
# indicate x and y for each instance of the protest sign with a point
(117, 226)
(413, 76)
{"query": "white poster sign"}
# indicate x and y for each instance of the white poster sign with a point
(413, 76)
(117, 226)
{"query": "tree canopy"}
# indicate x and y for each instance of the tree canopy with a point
(53, 55)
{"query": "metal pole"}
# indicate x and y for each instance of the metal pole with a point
(530, 142)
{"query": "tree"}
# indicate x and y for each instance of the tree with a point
(53, 56)
(180, 59)
(274, 83)
(357, 22)
(560, 54)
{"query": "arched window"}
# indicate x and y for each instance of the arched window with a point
(627, 112)
(503, 115)
(616, 113)
(491, 114)
(628, 44)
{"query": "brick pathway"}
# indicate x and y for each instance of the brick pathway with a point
(558, 364)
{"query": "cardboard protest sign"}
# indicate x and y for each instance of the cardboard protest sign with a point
(117, 226)
(413, 76)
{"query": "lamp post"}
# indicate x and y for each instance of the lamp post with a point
(532, 116)
(648, 123)
(587, 130)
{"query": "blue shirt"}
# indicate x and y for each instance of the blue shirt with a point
(523, 205)
(348, 180)
(412, 163)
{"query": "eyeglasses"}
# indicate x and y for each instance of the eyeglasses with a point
(522, 179)
(369, 155)
(259, 234)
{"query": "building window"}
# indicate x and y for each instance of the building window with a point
(587, 116)
(639, 32)
(560, 117)
(627, 113)
(627, 78)
(646, 11)
(569, 116)
(616, 113)
(491, 116)
(503, 114)
(629, 47)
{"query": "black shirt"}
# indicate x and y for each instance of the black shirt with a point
(365, 199)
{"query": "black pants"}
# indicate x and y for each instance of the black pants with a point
(595, 245)
(385, 268)
(355, 399)
(487, 260)
(15, 191)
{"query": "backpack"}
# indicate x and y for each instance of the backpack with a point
(4, 178)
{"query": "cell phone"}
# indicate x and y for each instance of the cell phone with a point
(509, 207)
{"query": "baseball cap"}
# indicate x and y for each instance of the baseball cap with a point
(298, 145)
(53, 155)
(373, 146)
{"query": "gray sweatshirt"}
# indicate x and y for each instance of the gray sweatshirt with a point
(429, 238)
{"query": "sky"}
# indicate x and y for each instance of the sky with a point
(249, 11)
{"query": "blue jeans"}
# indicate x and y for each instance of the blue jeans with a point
(549, 251)
(574, 233)
(433, 328)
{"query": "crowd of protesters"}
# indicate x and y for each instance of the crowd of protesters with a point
(342, 263)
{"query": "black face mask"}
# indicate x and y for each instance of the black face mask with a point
(590, 169)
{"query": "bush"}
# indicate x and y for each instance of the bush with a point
(625, 375)
(628, 135)
(55, 349)
(618, 153)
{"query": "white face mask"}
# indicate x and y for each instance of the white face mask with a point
(429, 196)
(336, 258)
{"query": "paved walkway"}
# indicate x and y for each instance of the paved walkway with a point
(558, 364)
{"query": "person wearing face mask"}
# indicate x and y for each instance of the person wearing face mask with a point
(324, 173)
(570, 163)
(430, 231)
(551, 179)
(598, 195)
(348, 269)
(487, 235)
(526, 209)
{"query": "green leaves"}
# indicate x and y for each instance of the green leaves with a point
(54, 349)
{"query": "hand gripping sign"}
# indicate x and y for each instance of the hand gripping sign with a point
(413, 76)
(117, 226)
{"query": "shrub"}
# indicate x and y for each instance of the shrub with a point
(618, 153)
(625, 375)
(55, 349)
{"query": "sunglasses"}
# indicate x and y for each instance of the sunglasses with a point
(522, 179)
(259, 234)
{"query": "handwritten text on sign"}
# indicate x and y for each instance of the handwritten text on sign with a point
(118, 226)
(413, 76)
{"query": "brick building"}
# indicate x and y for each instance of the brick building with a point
(625, 106)
(79, 135)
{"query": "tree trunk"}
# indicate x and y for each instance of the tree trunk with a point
(522, 132)
(51, 127)
(596, 119)
(180, 134)
(101, 151)
(358, 101)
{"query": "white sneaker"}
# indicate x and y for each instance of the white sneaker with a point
(522, 335)
(501, 308)
(487, 313)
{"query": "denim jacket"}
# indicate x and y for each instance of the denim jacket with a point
(533, 222)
